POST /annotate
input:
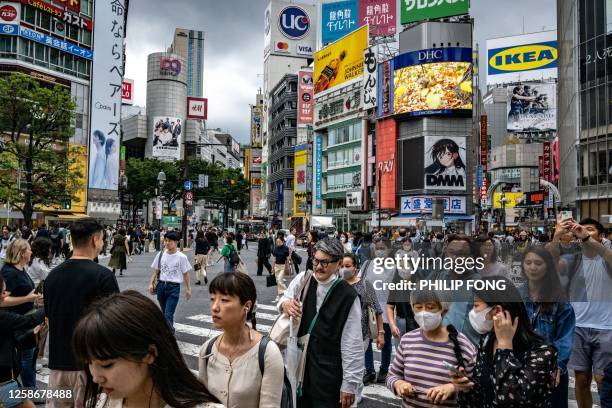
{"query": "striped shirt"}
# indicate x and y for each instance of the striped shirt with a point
(419, 362)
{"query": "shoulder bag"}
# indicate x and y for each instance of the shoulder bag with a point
(156, 281)
(279, 333)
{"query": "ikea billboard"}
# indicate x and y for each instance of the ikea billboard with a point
(522, 58)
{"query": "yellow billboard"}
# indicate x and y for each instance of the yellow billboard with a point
(512, 199)
(340, 62)
(300, 164)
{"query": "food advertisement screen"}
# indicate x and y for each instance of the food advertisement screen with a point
(432, 82)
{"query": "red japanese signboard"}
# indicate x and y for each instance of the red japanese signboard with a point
(483, 142)
(546, 163)
(305, 98)
(380, 15)
(74, 5)
(540, 168)
(61, 14)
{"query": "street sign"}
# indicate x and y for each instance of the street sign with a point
(188, 196)
(202, 180)
(188, 185)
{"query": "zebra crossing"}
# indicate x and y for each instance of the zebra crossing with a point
(193, 331)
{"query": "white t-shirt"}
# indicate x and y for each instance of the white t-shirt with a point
(4, 243)
(38, 270)
(290, 241)
(595, 310)
(173, 266)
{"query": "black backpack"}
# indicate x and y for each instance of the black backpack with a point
(233, 257)
(286, 398)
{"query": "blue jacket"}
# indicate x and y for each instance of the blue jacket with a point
(557, 328)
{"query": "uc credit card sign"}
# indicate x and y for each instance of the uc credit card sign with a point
(519, 58)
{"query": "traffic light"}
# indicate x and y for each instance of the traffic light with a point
(67, 205)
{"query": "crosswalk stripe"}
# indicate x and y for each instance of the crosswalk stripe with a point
(258, 315)
(267, 307)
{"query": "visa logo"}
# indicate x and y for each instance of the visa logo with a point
(304, 49)
(523, 58)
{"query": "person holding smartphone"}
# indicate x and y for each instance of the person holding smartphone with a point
(514, 366)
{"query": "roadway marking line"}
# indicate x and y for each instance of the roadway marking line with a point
(258, 315)
(267, 307)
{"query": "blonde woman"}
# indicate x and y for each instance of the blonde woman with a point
(22, 299)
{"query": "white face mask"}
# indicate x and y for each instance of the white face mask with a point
(428, 321)
(346, 273)
(380, 253)
(479, 321)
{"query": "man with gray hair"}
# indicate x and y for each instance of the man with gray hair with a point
(331, 316)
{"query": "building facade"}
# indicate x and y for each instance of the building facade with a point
(189, 44)
(282, 132)
(52, 43)
(585, 112)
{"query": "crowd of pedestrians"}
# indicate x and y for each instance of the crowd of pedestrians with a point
(509, 341)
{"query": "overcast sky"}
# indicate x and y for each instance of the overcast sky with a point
(233, 54)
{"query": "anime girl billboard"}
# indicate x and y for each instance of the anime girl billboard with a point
(445, 163)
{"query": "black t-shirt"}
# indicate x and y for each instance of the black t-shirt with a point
(68, 291)
(401, 300)
(212, 238)
(281, 253)
(19, 284)
(202, 247)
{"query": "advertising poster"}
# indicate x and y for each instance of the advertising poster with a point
(522, 58)
(532, 107)
(419, 10)
(166, 133)
(380, 15)
(385, 88)
(370, 78)
(433, 81)
(445, 163)
(107, 78)
(10, 14)
(127, 91)
(340, 63)
(512, 199)
(300, 187)
(256, 126)
(305, 97)
(338, 19)
(290, 29)
(197, 108)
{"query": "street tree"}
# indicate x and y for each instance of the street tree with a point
(37, 166)
(142, 182)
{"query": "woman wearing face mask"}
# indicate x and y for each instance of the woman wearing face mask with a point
(229, 364)
(132, 357)
(331, 320)
(514, 366)
(345, 242)
(418, 374)
(488, 252)
(551, 316)
(367, 296)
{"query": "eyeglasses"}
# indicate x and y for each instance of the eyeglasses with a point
(323, 262)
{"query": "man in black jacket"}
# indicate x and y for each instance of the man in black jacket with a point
(264, 249)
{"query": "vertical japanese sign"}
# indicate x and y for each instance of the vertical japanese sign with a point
(540, 168)
(300, 188)
(546, 161)
(339, 19)
(385, 88)
(279, 197)
(380, 15)
(483, 142)
(370, 79)
(318, 168)
(106, 89)
(305, 97)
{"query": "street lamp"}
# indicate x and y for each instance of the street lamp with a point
(161, 179)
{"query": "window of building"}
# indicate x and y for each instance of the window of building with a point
(29, 14)
(86, 37)
(39, 52)
(7, 45)
(44, 21)
(86, 7)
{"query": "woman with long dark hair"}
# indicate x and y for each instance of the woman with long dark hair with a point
(311, 239)
(132, 357)
(40, 261)
(551, 316)
(446, 159)
(514, 366)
